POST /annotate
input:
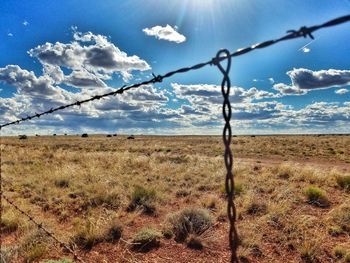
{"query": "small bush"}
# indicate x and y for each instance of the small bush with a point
(62, 182)
(114, 231)
(256, 207)
(146, 239)
(9, 222)
(109, 135)
(87, 235)
(189, 221)
(316, 196)
(341, 217)
(343, 181)
(84, 135)
(143, 198)
(339, 252)
(34, 246)
(194, 242)
(23, 137)
(131, 137)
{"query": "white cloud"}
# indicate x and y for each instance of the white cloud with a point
(10, 34)
(306, 49)
(25, 23)
(92, 53)
(341, 91)
(165, 33)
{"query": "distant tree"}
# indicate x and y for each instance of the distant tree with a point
(84, 135)
(54, 134)
(108, 135)
(23, 137)
(114, 134)
(131, 137)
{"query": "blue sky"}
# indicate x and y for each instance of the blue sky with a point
(56, 52)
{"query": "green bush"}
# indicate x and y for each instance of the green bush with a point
(188, 221)
(144, 199)
(146, 239)
(34, 246)
(58, 261)
(316, 196)
(343, 181)
(339, 252)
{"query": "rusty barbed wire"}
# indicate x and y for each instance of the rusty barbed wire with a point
(41, 227)
(291, 34)
(228, 157)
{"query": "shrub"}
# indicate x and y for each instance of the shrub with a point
(23, 137)
(256, 207)
(146, 239)
(9, 223)
(108, 135)
(62, 182)
(194, 242)
(34, 246)
(114, 231)
(131, 137)
(339, 252)
(143, 198)
(188, 221)
(87, 235)
(347, 258)
(341, 217)
(84, 135)
(316, 196)
(343, 181)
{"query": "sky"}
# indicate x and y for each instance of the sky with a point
(57, 52)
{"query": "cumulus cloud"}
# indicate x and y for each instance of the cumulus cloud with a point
(341, 91)
(304, 80)
(89, 52)
(26, 82)
(165, 33)
(308, 80)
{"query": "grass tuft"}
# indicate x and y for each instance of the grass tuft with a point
(144, 199)
(188, 221)
(343, 181)
(316, 196)
(146, 239)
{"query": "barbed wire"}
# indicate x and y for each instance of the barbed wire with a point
(291, 34)
(41, 227)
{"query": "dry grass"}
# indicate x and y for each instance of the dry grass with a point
(102, 192)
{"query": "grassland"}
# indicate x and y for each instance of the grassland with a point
(161, 199)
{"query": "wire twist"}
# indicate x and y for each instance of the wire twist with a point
(228, 157)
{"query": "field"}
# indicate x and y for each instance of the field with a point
(161, 199)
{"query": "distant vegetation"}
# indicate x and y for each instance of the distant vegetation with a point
(159, 198)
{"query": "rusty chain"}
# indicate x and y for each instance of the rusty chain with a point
(291, 34)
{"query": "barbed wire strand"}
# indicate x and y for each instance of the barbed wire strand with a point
(291, 34)
(41, 227)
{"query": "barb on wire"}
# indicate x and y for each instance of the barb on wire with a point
(41, 227)
(291, 34)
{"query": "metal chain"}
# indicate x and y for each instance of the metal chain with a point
(291, 34)
(227, 136)
(41, 227)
